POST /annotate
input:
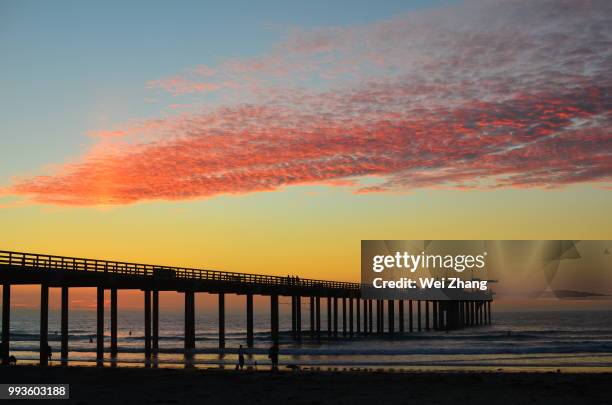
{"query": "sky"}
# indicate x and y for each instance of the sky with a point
(272, 137)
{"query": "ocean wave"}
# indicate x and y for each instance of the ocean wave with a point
(584, 347)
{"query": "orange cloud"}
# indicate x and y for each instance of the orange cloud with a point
(482, 95)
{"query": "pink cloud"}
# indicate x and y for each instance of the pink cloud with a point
(482, 95)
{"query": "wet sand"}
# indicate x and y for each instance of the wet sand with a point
(90, 385)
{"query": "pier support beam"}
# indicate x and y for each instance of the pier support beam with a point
(155, 325)
(365, 317)
(293, 318)
(351, 331)
(343, 316)
(318, 317)
(335, 317)
(381, 316)
(44, 324)
(221, 321)
(489, 311)
(410, 317)
(391, 310)
(249, 312)
(64, 326)
(482, 312)
(378, 316)
(419, 315)
(312, 317)
(189, 321)
(298, 317)
(274, 319)
(473, 313)
(401, 316)
(147, 324)
(370, 320)
(358, 303)
(6, 322)
(113, 322)
(470, 309)
(100, 326)
(329, 317)
(427, 315)
(434, 313)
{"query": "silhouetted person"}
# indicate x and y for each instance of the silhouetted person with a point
(273, 356)
(4, 353)
(49, 353)
(90, 339)
(130, 333)
(12, 360)
(240, 358)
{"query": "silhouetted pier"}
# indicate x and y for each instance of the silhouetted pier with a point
(358, 316)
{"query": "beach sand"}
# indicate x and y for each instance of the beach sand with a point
(90, 385)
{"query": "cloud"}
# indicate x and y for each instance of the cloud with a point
(481, 95)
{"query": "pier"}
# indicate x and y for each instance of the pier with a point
(340, 299)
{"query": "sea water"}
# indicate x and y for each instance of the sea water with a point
(516, 341)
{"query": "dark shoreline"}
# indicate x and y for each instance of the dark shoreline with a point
(91, 385)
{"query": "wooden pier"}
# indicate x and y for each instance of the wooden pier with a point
(50, 271)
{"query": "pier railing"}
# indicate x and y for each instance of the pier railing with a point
(51, 262)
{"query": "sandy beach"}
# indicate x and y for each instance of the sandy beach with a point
(90, 385)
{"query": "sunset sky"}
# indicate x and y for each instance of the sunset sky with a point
(269, 137)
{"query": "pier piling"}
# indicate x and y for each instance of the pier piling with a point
(221, 321)
(44, 324)
(6, 322)
(100, 326)
(391, 310)
(274, 319)
(147, 324)
(155, 325)
(249, 314)
(400, 304)
(64, 326)
(113, 315)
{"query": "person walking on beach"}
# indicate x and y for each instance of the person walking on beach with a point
(273, 355)
(240, 357)
(49, 353)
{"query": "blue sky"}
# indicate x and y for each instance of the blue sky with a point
(74, 66)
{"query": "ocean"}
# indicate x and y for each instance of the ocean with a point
(578, 341)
